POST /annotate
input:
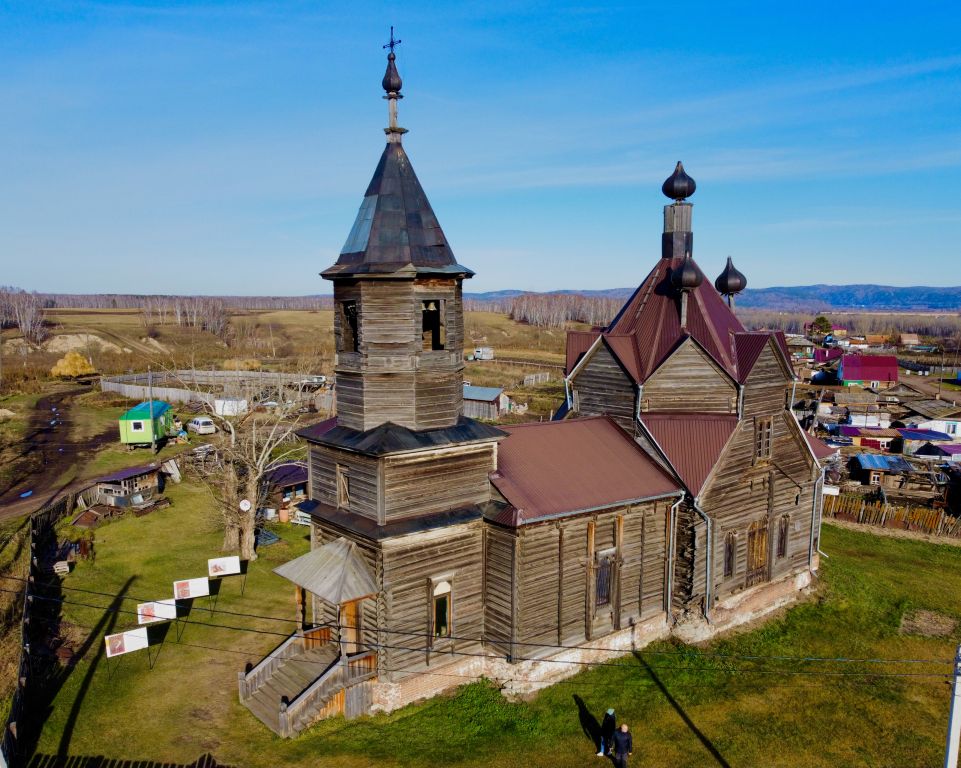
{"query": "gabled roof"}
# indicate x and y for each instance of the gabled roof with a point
(868, 368)
(882, 462)
(932, 409)
(691, 442)
(747, 349)
(650, 324)
(289, 473)
(396, 230)
(923, 434)
(827, 355)
(335, 572)
(142, 410)
(393, 438)
(952, 449)
(555, 468)
(578, 342)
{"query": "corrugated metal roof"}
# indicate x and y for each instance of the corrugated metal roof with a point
(651, 317)
(952, 449)
(851, 431)
(395, 229)
(334, 572)
(924, 434)
(578, 342)
(827, 355)
(692, 442)
(819, 448)
(932, 409)
(555, 468)
(484, 394)
(748, 348)
(868, 368)
(125, 474)
(883, 463)
(142, 410)
(291, 473)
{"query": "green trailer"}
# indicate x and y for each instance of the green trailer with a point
(137, 428)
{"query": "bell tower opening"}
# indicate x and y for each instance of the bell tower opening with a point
(348, 327)
(433, 324)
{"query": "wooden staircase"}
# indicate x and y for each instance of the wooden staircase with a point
(305, 679)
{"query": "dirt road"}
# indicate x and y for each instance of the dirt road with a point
(47, 455)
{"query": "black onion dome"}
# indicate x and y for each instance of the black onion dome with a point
(678, 185)
(730, 281)
(687, 276)
(392, 82)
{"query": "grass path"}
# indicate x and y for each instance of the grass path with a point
(687, 706)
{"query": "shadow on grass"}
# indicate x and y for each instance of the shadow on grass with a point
(708, 744)
(592, 728)
(98, 761)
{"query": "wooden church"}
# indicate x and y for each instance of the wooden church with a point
(676, 495)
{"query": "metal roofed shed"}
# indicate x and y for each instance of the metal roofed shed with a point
(552, 469)
(484, 402)
(335, 572)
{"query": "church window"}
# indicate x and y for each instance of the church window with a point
(348, 327)
(782, 532)
(763, 430)
(433, 324)
(343, 488)
(441, 609)
(730, 551)
(602, 579)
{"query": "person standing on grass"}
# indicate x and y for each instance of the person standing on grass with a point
(623, 746)
(608, 726)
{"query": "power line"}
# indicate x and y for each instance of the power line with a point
(526, 644)
(453, 652)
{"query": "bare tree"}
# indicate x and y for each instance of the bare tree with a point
(25, 311)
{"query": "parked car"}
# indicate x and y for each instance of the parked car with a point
(202, 425)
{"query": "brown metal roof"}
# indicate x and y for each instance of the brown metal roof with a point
(556, 468)
(691, 442)
(578, 342)
(651, 319)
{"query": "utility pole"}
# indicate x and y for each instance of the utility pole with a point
(954, 720)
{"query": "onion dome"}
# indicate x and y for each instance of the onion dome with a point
(678, 185)
(730, 281)
(392, 82)
(687, 276)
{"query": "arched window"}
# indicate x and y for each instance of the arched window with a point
(730, 554)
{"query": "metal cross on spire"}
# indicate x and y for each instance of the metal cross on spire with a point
(393, 43)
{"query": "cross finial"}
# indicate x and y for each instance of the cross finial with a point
(393, 43)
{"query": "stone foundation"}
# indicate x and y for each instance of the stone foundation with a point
(525, 677)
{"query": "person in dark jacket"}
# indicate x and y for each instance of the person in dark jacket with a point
(623, 746)
(608, 726)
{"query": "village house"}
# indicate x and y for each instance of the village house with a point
(940, 451)
(879, 469)
(678, 496)
(875, 371)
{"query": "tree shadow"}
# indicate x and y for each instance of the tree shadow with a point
(589, 723)
(99, 761)
(708, 744)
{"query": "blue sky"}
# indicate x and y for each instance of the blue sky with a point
(180, 147)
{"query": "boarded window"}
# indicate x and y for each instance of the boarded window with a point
(441, 609)
(348, 327)
(763, 431)
(343, 487)
(782, 532)
(433, 324)
(602, 586)
(730, 552)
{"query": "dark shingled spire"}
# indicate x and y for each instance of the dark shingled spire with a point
(730, 281)
(392, 82)
(678, 185)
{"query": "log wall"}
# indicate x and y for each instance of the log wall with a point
(689, 381)
(603, 387)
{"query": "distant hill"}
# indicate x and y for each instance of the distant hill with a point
(807, 298)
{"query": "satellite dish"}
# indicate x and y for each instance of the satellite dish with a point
(244, 505)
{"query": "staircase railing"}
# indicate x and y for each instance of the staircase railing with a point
(259, 674)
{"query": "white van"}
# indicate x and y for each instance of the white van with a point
(202, 425)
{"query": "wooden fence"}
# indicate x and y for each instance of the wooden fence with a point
(857, 509)
(42, 525)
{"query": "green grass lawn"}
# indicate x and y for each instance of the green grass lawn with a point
(687, 706)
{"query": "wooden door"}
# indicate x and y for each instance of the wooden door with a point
(756, 553)
(350, 626)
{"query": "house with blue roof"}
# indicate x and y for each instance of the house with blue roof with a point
(485, 402)
(879, 469)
